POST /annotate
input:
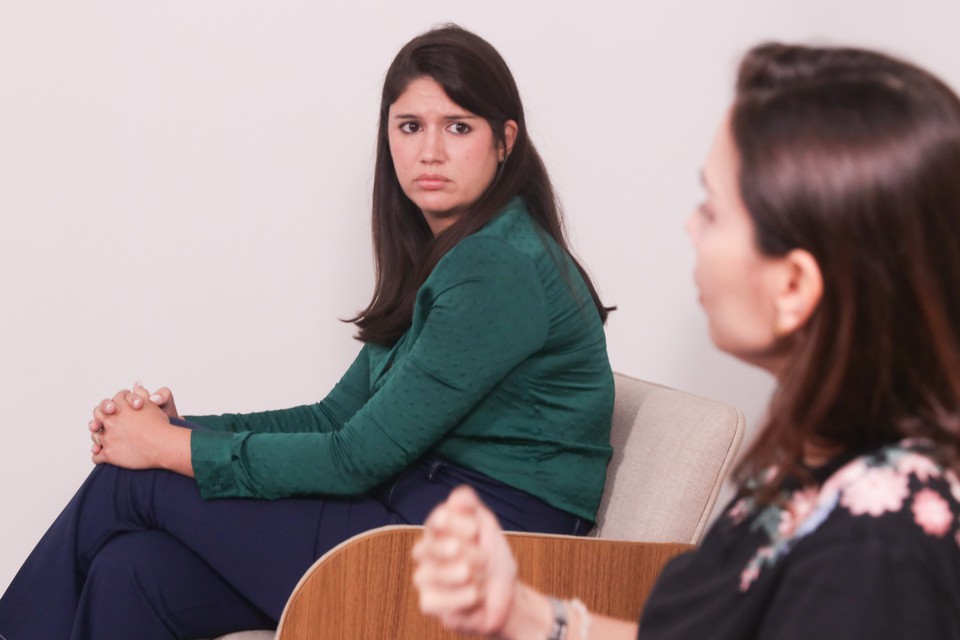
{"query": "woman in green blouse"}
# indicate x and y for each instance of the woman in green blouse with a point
(484, 362)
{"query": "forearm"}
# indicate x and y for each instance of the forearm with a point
(531, 618)
(612, 628)
(314, 418)
(280, 465)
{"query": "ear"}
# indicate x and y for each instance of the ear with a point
(510, 129)
(799, 290)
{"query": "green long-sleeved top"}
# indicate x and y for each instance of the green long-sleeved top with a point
(504, 370)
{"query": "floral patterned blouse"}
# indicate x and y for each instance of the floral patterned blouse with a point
(872, 551)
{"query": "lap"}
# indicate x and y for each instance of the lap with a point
(262, 547)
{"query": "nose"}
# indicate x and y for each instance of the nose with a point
(432, 149)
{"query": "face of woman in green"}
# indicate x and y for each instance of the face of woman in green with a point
(444, 156)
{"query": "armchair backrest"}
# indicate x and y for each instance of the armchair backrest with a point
(671, 453)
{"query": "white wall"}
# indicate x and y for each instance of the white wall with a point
(184, 190)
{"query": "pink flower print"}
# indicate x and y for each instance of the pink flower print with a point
(771, 473)
(846, 475)
(932, 512)
(799, 508)
(764, 555)
(749, 575)
(740, 510)
(920, 466)
(954, 483)
(879, 490)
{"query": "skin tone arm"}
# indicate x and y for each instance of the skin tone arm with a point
(132, 430)
(467, 578)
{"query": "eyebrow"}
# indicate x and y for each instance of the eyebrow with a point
(453, 116)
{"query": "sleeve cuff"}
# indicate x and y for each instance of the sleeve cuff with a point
(212, 458)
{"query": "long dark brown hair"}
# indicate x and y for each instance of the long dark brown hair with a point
(854, 156)
(475, 77)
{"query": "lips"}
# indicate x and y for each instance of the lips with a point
(431, 182)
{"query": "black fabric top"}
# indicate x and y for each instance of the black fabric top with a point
(873, 551)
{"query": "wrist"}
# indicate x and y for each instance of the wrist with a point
(175, 452)
(530, 617)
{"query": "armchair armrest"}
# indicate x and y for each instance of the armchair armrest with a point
(363, 587)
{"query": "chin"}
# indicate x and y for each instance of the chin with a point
(769, 357)
(433, 205)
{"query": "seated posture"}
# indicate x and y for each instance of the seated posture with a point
(484, 363)
(828, 253)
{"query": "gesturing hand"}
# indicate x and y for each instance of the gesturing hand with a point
(466, 573)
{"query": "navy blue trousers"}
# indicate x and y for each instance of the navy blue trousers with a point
(139, 555)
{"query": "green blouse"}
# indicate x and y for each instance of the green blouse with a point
(504, 370)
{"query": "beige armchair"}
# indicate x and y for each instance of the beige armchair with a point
(672, 451)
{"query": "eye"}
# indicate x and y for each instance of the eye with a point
(706, 211)
(459, 128)
(410, 127)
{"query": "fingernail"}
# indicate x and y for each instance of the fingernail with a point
(136, 402)
(156, 398)
(109, 406)
(138, 384)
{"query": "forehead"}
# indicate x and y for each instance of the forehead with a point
(425, 95)
(720, 171)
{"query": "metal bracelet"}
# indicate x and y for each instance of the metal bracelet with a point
(560, 626)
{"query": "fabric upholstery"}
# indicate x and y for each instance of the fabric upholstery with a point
(671, 453)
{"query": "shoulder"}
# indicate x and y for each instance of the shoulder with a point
(510, 246)
(898, 499)
(516, 231)
(900, 488)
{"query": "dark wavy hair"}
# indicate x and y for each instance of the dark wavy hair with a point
(475, 77)
(854, 156)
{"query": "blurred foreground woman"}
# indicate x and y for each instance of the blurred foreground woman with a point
(828, 253)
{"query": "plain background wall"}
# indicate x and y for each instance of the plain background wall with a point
(184, 191)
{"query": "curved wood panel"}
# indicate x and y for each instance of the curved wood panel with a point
(363, 589)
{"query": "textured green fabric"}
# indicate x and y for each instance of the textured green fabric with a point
(504, 370)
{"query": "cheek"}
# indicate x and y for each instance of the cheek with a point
(738, 311)
(712, 262)
(477, 159)
(482, 167)
(398, 154)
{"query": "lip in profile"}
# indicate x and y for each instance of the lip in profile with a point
(431, 181)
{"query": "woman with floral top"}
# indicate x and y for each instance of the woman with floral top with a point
(828, 253)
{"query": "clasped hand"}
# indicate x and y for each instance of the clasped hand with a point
(132, 430)
(466, 573)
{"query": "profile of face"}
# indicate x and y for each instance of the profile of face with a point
(752, 301)
(444, 156)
